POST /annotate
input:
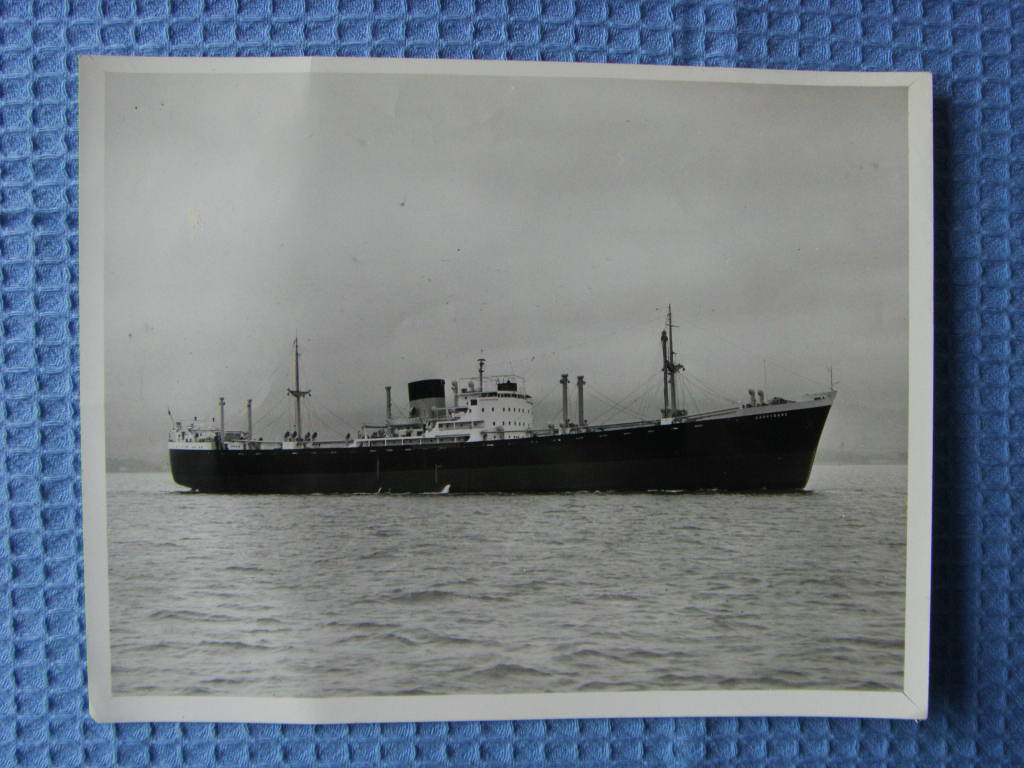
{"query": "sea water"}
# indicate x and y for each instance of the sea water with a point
(423, 594)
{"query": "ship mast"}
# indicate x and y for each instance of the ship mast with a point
(298, 393)
(669, 369)
(664, 373)
(565, 401)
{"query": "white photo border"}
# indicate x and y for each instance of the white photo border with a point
(104, 706)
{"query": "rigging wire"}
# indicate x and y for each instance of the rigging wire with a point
(709, 390)
(270, 414)
(580, 343)
(643, 401)
(628, 401)
(646, 405)
(537, 402)
(615, 405)
(270, 384)
(341, 419)
(644, 386)
(688, 395)
(602, 418)
(749, 352)
(317, 417)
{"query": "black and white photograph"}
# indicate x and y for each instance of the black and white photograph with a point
(447, 390)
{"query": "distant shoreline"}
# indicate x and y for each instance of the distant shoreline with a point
(125, 466)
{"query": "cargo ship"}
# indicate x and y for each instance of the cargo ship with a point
(484, 441)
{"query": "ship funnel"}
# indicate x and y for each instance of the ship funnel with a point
(425, 396)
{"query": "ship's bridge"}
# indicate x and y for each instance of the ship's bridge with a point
(483, 408)
(496, 407)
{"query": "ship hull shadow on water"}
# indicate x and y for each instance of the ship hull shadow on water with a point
(747, 451)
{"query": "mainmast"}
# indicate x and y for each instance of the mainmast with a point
(298, 393)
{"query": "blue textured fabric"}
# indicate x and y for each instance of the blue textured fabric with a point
(975, 52)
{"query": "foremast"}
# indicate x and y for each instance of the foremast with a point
(298, 393)
(669, 369)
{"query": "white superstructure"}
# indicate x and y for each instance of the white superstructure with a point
(485, 408)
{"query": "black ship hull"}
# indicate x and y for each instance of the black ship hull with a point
(742, 452)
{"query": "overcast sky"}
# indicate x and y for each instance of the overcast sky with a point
(403, 226)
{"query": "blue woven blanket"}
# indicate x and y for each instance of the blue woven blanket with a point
(976, 53)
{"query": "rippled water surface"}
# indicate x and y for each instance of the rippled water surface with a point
(356, 595)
